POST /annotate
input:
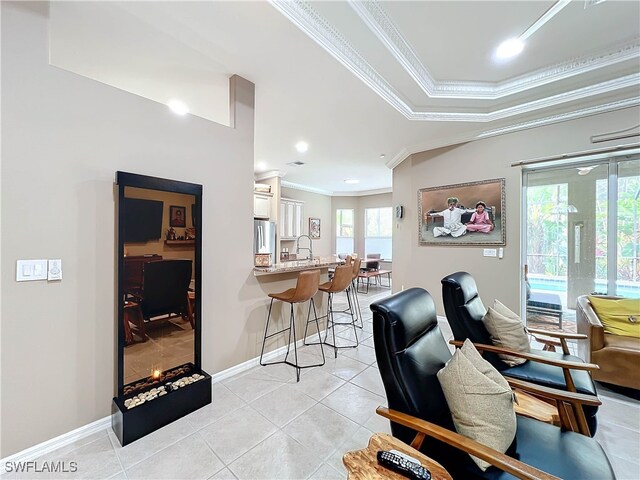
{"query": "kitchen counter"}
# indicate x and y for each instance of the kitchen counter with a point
(296, 266)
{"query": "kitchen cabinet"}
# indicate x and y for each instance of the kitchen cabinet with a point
(291, 214)
(262, 205)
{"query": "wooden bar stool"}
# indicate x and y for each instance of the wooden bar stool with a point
(340, 283)
(306, 287)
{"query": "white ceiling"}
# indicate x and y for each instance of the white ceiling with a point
(358, 80)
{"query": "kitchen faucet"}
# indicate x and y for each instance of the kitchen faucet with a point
(304, 248)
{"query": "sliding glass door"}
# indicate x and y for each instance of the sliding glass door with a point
(580, 236)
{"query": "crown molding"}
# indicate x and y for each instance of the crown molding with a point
(551, 101)
(268, 175)
(306, 188)
(303, 15)
(376, 19)
(563, 117)
(402, 155)
(363, 193)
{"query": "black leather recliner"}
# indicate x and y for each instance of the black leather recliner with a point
(165, 287)
(464, 310)
(410, 350)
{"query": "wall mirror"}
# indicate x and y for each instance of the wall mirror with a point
(158, 297)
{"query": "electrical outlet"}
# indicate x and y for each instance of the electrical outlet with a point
(490, 252)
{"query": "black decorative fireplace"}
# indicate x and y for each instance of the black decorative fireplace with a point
(160, 378)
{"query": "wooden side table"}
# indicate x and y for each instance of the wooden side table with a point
(363, 464)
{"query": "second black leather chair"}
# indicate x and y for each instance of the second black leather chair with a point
(465, 310)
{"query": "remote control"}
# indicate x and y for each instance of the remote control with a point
(402, 466)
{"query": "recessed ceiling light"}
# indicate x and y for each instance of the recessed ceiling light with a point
(352, 180)
(382, 155)
(296, 163)
(509, 48)
(178, 107)
(302, 147)
(261, 166)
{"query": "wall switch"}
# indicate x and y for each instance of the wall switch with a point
(55, 269)
(500, 252)
(490, 252)
(28, 270)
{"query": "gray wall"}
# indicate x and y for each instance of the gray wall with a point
(64, 137)
(424, 266)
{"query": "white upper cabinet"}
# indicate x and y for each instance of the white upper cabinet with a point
(262, 205)
(291, 215)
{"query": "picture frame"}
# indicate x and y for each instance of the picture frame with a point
(177, 216)
(314, 228)
(486, 230)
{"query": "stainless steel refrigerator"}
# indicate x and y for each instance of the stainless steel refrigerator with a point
(264, 238)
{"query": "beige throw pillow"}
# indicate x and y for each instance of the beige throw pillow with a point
(502, 309)
(506, 331)
(481, 404)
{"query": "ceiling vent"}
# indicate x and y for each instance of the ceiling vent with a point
(297, 163)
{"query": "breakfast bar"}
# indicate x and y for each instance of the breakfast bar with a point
(296, 266)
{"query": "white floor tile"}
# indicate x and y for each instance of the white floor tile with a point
(253, 384)
(277, 457)
(363, 353)
(224, 474)
(146, 446)
(353, 402)
(371, 380)
(283, 404)
(188, 458)
(317, 384)
(327, 472)
(321, 429)
(235, 434)
(223, 402)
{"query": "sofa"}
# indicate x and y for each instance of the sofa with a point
(618, 356)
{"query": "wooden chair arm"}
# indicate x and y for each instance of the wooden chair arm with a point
(569, 336)
(530, 356)
(495, 458)
(554, 393)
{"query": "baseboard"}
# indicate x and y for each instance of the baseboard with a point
(68, 438)
(63, 440)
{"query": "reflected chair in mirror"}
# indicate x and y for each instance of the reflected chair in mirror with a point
(464, 310)
(340, 282)
(410, 350)
(164, 290)
(305, 289)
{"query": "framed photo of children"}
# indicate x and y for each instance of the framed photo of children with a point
(314, 227)
(465, 214)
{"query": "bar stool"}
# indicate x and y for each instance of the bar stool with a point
(340, 283)
(306, 287)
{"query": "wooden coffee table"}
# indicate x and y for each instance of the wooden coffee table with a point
(363, 464)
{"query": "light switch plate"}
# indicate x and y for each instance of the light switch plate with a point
(55, 269)
(30, 270)
(490, 252)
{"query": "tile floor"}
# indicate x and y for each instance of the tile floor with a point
(264, 425)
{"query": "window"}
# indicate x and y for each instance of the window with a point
(344, 231)
(378, 231)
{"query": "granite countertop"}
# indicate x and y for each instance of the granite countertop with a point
(296, 266)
